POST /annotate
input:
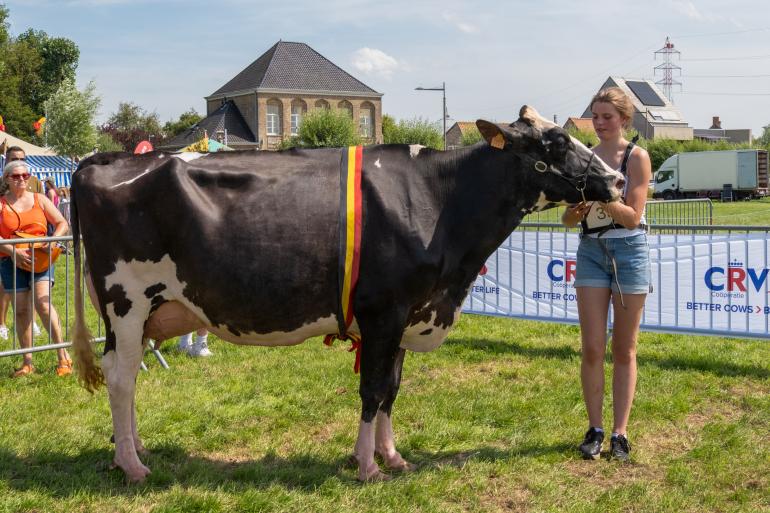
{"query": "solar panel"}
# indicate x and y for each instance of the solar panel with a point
(645, 93)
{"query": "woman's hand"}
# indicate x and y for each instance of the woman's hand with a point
(576, 213)
(23, 256)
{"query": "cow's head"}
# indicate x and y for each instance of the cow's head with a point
(559, 166)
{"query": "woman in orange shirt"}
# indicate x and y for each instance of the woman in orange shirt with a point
(30, 212)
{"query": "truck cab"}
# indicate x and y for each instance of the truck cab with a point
(666, 185)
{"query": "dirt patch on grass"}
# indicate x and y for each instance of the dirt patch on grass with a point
(505, 498)
(613, 474)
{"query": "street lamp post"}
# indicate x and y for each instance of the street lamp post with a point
(443, 103)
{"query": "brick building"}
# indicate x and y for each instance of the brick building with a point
(264, 104)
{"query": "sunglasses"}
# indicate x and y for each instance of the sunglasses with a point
(23, 176)
(16, 158)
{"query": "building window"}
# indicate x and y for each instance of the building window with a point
(347, 107)
(273, 118)
(296, 119)
(298, 109)
(365, 122)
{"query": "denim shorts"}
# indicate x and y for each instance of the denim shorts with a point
(632, 260)
(7, 270)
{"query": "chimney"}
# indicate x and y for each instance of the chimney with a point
(715, 123)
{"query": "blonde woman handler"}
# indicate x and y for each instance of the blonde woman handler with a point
(612, 265)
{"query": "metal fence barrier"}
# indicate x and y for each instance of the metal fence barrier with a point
(657, 212)
(530, 277)
(60, 297)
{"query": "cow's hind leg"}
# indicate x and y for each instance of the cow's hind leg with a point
(379, 352)
(121, 366)
(384, 442)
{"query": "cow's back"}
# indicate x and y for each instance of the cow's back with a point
(245, 231)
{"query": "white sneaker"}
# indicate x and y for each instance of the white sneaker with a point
(35, 329)
(4, 333)
(200, 348)
(185, 343)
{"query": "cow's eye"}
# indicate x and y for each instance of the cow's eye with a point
(558, 149)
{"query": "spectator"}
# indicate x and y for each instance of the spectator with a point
(13, 154)
(198, 348)
(51, 192)
(21, 209)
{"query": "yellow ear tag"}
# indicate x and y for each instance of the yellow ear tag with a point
(498, 142)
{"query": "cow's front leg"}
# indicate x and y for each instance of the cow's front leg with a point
(384, 442)
(378, 358)
(120, 367)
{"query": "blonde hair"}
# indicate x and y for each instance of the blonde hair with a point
(616, 97)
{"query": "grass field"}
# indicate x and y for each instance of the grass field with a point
(492, 419)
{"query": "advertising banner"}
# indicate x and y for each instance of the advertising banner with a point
(714, 284)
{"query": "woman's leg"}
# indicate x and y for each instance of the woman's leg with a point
(625, 331)
(23, 322)
(49, 316)
(593, 304)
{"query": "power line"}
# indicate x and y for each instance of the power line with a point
(597, 74)
(724, 94)
(748, 58)
(725, 76)
(713, 34)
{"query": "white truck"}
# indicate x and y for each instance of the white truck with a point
(708, 174)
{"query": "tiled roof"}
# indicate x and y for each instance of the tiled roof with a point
(297, 67)
(227, 117)
(464, 126)
(582, 124)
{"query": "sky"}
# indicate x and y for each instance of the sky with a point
(494, 57)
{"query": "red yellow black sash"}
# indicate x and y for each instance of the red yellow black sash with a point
(351, 213)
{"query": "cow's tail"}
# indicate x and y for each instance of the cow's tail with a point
(89, 373)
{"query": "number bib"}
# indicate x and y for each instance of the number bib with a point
(596, 219)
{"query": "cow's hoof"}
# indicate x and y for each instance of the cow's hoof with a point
(143, 451)
(401, 466)
(396, 463)
(133, 475)
(372, 474)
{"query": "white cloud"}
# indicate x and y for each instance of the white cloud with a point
(688, 9)
(374, 62)
(459, 24)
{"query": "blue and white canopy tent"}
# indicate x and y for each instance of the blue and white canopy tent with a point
(49, 166)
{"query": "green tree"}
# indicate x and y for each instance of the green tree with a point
(325, 128)
(413, 131)
(185, 121)
(132, 124)
(105, 142)
(764, 139)
(5, 36)
(32, 67)
(70, 127)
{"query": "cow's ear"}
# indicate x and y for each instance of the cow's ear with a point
(492, 133)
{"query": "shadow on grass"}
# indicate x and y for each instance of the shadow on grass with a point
(494, 347)
(65, 475)
(701, 363)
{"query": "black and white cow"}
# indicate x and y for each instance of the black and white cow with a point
(247, 245)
